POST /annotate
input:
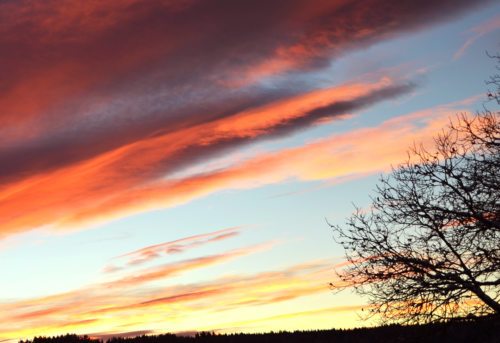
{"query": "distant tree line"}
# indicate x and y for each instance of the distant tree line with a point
(485, 330)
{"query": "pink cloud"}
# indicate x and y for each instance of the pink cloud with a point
(177, 246)
(478, 31)
(102, 98)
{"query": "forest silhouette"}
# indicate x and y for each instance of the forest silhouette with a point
(485, 330)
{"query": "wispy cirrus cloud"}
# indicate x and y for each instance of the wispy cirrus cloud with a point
(477, 32)
(88, 309)
(101, 98)
(177, 246)
(174, 269)
(345, 156)
(74, 191)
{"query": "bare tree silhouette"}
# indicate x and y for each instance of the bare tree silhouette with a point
(428, 248)
(494, 80)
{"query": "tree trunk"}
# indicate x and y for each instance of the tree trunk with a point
(495, 306)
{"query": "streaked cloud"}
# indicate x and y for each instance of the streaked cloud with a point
(338, 157)
(87, 310)
(173, 269)
(110, 109)
(477, 32)
(75, 191)
(177, 246)
(99, 99)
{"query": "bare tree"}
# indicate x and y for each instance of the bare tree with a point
(494, 80)
(428, 248)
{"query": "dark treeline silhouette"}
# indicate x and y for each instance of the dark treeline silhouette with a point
(486, 330)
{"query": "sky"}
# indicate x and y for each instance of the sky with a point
(168, 165)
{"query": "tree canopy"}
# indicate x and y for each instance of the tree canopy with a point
(428, 247)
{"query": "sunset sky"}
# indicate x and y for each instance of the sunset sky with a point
(168, 165)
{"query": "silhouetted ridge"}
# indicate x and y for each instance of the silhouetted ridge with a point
(486, 330)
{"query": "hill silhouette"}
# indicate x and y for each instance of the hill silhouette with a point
(486, 330)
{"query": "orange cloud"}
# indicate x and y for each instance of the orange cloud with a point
(173, 247)
(69, 65)
(101, 306)
(168, 270)
(105, 97)
(343, 156)
(114, 176)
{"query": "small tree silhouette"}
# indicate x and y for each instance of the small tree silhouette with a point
(494, 80)
(428, 249)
